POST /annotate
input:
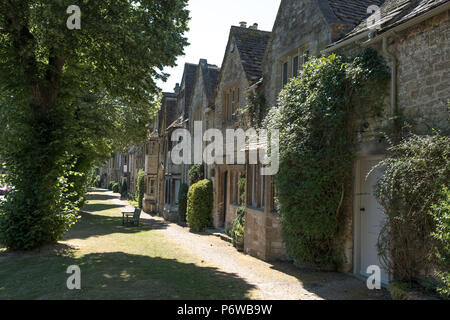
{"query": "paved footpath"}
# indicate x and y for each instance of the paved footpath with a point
(273, 281)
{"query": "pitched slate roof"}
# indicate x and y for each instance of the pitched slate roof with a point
(395, 12)
(251, 45)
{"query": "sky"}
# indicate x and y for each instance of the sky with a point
(210, 26)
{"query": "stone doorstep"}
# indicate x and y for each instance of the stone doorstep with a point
(220, 233)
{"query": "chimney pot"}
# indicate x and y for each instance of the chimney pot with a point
(243, 24)
(255, 26)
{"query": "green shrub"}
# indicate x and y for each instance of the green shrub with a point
(26, 224)
(116, 187)
(200, 205)
(441, 214)
(196, 173)
(411, 184)
(238, 228)
(140, 188)
(110, 185)
(316, 119)
(182, 202)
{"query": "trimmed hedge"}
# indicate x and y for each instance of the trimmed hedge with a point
(182, 202)
(200, 205)
(196, 173)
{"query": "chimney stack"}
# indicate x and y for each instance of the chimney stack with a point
(254, 26)
(177, 88)
(243, 24)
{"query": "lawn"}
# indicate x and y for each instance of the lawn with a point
(115, 263)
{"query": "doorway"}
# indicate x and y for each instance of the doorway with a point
(369, 218)
(225, 198)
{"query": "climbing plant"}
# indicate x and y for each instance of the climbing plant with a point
(316, 117)
(441, 214)
(238, 224)
(256, 109)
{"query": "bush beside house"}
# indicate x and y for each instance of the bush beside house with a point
(200, 205)
(182, 202)
(412, 241)
(196, 173)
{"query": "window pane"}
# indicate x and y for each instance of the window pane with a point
(285, 73)
(295, 66)
(306, 56)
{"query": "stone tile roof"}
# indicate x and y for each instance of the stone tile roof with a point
(251, 45)
(351, 12)
(169, 102)
(396, 12)
(189, 78)
(210, 75)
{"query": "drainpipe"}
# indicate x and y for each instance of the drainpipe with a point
(393, 58)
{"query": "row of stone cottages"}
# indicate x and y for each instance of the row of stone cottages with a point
(411, 35)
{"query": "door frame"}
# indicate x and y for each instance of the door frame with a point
(225, 198)
(356, 213)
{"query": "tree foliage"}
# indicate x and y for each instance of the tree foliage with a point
(316, 117)
(69, 98)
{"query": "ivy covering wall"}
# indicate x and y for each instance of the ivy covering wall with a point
(316, 116)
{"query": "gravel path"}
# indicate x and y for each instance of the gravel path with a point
(273, 281)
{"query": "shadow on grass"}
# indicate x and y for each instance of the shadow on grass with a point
(115, 275)
(94, 225)
(101, 195)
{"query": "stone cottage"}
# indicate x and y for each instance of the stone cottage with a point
(201, 106)
(241, 69)
(151, 168)
(413, 38)
(301, 29)
(183, 100)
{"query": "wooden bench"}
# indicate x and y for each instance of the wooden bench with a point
(135, 218)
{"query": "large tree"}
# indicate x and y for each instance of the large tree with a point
(70, 96)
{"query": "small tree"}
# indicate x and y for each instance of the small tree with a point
(200, 205)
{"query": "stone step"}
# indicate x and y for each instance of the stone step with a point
(221, 234)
